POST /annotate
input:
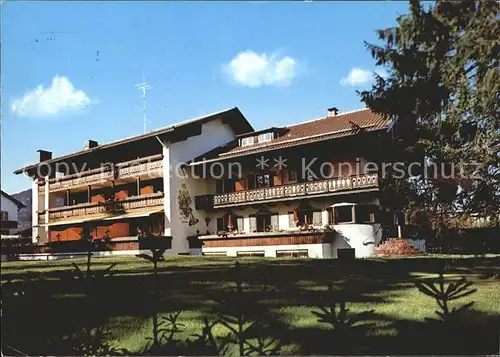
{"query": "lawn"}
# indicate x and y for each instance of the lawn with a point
(47, 310)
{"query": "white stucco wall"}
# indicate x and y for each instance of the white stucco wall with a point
(362, 237)
(8, 206)
(322, 250)
(214, 133)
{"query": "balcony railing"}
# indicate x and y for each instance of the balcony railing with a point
(151, 165)
(126, 205)
(298, 189)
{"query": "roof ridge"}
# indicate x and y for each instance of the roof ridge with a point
(272, 143)
(170, 126)
(18, 203)
(322, 118)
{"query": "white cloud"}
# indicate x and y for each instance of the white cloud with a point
(253, 69)
(360, 76)
(60, 97)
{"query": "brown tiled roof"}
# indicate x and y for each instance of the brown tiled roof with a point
(341, 125)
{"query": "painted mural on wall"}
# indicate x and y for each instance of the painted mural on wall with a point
(185, 206)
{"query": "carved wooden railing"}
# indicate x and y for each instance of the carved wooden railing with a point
(151, 165)
(126, 205)
(298, 189)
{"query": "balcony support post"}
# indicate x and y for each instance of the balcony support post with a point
(138, 185)
(68, 203)
(89, 194)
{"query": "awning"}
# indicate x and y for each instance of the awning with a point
(106, 217)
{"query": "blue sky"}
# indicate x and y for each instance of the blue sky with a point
(69, 68)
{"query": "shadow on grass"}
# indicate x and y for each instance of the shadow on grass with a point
(54, 313)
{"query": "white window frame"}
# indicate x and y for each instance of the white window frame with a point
(262, 138)
(247, 141)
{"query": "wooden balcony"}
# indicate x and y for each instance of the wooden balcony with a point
(330, 186)
(105, 209)
(146, 166)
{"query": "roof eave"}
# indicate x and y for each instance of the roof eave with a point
(245, 127)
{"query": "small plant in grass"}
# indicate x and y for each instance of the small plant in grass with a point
(443, 294)
(347, 328)
(91, 245)
(88, 342)
(236, 313)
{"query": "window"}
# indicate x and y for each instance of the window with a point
(309, 216)
(263, 222)
(236, 221)
(263, 180)
(250, 254)
(301, 253)
(365, 213)
(247, 141)
(215, 254)
(343, 214)
(5, 216)
(266, 137)
(292, 175)
(220, 224)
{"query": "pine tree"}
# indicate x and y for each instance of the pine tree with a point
(443, 87)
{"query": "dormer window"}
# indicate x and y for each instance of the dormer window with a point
(266, 137)
(247, 141)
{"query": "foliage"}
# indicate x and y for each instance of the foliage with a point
(443, 87)
(237, 313)
(347, 328)
(89, 342)
(443, 295)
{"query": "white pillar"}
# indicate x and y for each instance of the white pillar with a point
(34, 210)
(324, 217)
(46, 206)
(166, 189)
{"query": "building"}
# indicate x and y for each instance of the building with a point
(219, 187)
(310, 189)
(9, 208)
(125, 188)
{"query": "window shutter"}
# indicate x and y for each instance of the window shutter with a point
(291, 222)
(317, 218)
(239, 224)
(274, 222)
(253, 224)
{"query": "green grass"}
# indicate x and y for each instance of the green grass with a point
(54, 304)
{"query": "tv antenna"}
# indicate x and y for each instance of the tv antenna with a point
(143, 87)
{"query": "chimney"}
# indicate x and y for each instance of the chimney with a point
(332, 111)
(89, 144)
(44, 155)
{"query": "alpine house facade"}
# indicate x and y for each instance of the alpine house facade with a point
(305, 190)
(126, 188)
(218, 187)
